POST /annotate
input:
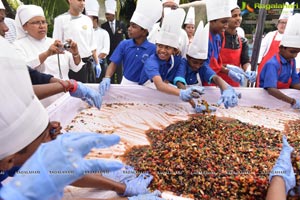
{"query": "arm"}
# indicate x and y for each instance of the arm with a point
(164, 87)
(220, 82)
(47, 90)
(110, 69)
(276, 189)
(279, 95)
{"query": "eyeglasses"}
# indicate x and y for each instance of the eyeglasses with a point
(38, 23)
(283, 23)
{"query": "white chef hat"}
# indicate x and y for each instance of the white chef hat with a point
(287, 10)
(171, 27)
(24, 14)
(92, 8)
(198, 48)
(175, 1)
(1, 5)
(217, 9)
(291, 36)
(110, 6)
(23, 117)
(190, 16)
(233, 4)
(144, 17)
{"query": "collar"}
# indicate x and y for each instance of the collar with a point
(163, 62)
(133, 44)
(283, 60)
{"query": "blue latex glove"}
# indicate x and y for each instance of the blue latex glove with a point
(97, 68)
(251, 76)
(229, 97)
(296, 105)
(237, 77)
(138, 185)
(200, 108)
(104, 86)
(192, 92)
(92, 97)
(236, 69)
(152, 196)
(57, 164)
(126, 173)
(283, 166)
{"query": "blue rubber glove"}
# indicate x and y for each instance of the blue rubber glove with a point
(92, 97)
(192, 92)
(200, 108)
(97, 68)
(152, 196)
(229, 97)
(104, 86)
(296, 105)
(126, 173)
(283, 166)
(58, 163)
(237, 77)
(236, 69)
(138, 185)
(251, 76)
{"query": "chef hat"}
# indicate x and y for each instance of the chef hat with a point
(198, 48)
(175, 1)
(110, 6)
(287, 10)
(92, 8)
(24, 14)
(171, 27)
(217, 9)
(291, 36)
(190, 16)
(233, 4)
(144, 17)
(1, 5)
(23, 117)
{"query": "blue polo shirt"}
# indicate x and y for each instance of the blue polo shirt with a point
(132, 57)
(190, 76)
(8, 173)
(269, 73)
(154, 66)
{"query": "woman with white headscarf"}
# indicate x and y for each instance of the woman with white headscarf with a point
(41, 52)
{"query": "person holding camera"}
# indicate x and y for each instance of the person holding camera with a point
(41, 52)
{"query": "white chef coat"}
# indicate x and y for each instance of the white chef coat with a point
(102, 41)
(266, 43)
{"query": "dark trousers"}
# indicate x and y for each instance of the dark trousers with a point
(118, 75)
(87, 73)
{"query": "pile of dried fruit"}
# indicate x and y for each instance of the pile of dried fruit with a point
(205, 157)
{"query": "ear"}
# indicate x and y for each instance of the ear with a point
(7, 162)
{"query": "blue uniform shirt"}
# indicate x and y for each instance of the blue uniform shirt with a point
(269, 74)
(133, 57)
(157, 67)
(5, 174)
(190, 76)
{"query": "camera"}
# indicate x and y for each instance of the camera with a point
(65, 46)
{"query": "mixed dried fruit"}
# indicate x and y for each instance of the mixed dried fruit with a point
(206, 157)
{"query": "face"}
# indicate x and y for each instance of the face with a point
(289, 52)
(190, 29)
(281, 25)
(3, 27)
(164, 52)
(109, 17)
(135, 31)
(77, 6)
(219, 25)
(194, 63)
(36, 27)
(236, 19)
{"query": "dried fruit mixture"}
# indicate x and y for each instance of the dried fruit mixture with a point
(206, 157)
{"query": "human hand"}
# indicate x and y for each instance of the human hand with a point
(229, 97)
(236, 69)
(152, 196)
(237, 77)
(283, 166)
(200, 108)
(138, 185)
(104, 86)
(251, 76)
(192, 92)
(55, 129)
(92, 97)
(98, 69)
(126, 173)
(296, 105)
(58, 163)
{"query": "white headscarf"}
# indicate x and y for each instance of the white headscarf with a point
(1, 5)
(24, 14)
